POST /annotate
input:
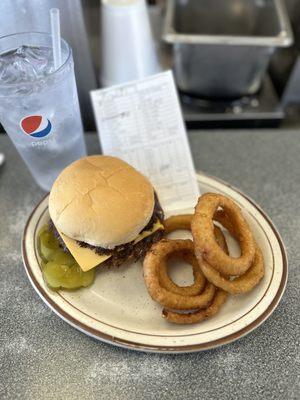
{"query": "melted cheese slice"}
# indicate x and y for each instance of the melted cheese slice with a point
(87, 258)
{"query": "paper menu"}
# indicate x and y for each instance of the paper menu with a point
(141, 123)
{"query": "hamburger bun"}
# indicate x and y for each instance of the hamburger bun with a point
(102, 201)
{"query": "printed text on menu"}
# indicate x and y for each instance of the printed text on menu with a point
(141, 123)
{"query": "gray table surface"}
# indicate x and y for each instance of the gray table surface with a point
(42, 357)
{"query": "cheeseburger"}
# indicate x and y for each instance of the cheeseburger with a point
(103, 211)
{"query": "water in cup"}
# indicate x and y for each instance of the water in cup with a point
(39, 105)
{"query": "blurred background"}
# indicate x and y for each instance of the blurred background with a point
(236, 62)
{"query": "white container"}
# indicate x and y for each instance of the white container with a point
(128, 50)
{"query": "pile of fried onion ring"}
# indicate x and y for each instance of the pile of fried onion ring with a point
(216, 273)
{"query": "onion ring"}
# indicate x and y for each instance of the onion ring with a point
(203, 234)
(198, 316)
(219, 299)
(191, 290)
(172, 224)
(243, 283)
(158, 254)
(184, 222)
(178, 222)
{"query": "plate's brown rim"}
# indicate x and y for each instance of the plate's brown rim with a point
(166, 349)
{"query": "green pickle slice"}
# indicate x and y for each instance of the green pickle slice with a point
(60, 257)
(48, 245)
(60, 276)
(60, 270)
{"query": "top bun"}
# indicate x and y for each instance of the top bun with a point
(102, 201)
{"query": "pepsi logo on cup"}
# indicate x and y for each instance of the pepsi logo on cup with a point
(36, 126)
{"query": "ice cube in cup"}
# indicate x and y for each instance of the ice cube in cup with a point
(25, 63)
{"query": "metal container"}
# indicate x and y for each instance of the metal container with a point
(222, 48)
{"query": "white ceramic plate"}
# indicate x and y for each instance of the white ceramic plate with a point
(117, 308)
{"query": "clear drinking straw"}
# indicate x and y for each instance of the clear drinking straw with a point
(56, 40)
